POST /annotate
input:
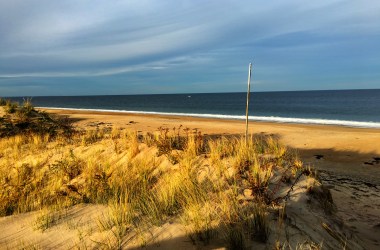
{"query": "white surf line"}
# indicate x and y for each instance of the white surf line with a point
(357, 124)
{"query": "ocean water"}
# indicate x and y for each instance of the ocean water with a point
(355, 108)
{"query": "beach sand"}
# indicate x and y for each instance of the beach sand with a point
(348, 159)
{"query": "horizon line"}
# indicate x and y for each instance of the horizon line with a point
(188, 93)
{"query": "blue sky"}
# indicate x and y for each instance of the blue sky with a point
(91, 47)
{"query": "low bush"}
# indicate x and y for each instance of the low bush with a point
(24, 119)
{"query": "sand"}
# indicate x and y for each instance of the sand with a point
(348, 159)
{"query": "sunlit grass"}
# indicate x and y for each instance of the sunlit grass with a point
(145, 180)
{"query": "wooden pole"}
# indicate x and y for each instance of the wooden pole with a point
(246, 109)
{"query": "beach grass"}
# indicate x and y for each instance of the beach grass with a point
(215, 189)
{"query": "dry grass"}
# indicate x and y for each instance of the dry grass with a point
(201, 188)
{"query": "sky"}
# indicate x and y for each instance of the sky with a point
(94, 47)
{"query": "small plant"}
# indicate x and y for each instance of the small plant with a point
(92, 136)
(310, 245)
(323, 196)
(118, 222)
(275, 147)
(16, 189)
(244, 154)
(220, 149)
(68, 168)
(3, 102)
(149, 139)
(47, 219)
(27, 105)
(260, 223)
(167, 142)
(132, 144)
(235, 237)
(199, 221)
(259, 178)
(97, 188)
(10, 107)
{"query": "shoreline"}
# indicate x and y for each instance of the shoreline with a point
(270, 119)
(295, 135)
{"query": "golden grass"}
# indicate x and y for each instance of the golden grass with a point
(201, 188)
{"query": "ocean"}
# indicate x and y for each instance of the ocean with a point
(354, 108)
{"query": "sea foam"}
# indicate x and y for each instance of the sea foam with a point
(359, 124)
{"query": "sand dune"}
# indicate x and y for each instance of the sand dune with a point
(348, 164)
(347, 159)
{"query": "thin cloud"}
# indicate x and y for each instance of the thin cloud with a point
(59, 39)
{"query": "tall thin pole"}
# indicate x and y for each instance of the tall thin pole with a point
(246, 109)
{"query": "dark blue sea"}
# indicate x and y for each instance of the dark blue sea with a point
(356, 108)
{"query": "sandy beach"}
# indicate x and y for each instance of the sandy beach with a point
(347, 158)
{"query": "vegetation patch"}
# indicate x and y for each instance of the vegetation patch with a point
(216, 190)
(25, 119)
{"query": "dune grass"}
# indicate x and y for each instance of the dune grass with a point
(25, 119)
(217, 189)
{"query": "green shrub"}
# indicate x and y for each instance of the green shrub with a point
(3, 102)
(25, 119)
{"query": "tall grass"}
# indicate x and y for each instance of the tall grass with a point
(202, 188)
(118, 222)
